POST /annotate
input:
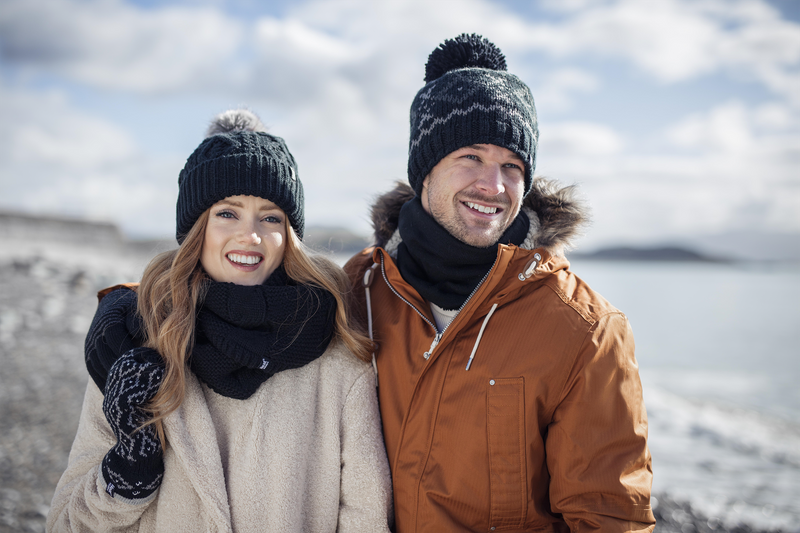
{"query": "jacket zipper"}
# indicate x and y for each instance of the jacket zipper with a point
(438, 336)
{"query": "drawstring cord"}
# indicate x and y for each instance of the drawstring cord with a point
(367, 281)
(480, 334)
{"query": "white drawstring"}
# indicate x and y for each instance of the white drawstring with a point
(367, 282)
(480, 334)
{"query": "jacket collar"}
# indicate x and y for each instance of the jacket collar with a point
(556, 213)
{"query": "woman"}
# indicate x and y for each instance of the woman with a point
(244, 401)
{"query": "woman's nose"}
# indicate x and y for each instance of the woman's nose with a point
(249, 236)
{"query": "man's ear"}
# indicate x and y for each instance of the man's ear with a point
(423, 194)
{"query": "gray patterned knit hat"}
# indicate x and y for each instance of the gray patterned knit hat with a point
(236, 160)
(469, 99)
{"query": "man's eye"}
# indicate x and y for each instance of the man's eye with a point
(471, 156)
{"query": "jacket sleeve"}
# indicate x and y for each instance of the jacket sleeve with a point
(80, 502)
(365, 501)
(597, 454)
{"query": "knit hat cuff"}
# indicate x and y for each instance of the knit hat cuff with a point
(478, 127)
(239, 174)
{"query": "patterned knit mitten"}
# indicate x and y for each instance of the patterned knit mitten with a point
(134, 467)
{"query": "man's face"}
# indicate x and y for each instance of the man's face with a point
(475, 193)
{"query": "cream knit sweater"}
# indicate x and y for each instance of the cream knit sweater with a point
(304, 453)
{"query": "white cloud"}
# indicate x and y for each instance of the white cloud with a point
(579, 139)
(677, 40)
(725, 128)
(554, 91)
(112, 45)
(723, 169)
(58, 160)
(44, 129)
(336, 78)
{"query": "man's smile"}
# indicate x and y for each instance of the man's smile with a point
(481, 208)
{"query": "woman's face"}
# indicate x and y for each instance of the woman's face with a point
(245, 240)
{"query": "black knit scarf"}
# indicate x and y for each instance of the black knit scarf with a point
(243, 335)
(440, 267)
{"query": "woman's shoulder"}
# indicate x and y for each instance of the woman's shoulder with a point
(339, 361)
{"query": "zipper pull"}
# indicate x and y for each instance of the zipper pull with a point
(436, 339)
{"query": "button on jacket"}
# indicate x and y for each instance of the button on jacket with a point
(526, 412)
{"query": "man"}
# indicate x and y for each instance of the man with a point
(509, 390)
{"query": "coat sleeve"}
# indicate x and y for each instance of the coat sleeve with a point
(597, 455)
(365, 501)
(80, 502)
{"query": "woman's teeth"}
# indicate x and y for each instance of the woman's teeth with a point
(482, 209)
(244, 259)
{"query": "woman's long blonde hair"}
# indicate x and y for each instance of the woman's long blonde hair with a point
(174, 284)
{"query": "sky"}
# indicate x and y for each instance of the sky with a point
(676, 118)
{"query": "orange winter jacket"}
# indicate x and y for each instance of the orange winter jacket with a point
(526, 413)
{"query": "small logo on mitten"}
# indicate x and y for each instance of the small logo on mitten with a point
(264, 364)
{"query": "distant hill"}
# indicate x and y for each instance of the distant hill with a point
(663, 253)
(333, 239)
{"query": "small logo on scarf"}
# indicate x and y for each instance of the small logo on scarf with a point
(264, 364)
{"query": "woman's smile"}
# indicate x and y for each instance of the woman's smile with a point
(248, 261)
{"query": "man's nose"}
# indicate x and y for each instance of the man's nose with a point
(491, 180)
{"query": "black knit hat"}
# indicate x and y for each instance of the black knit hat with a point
(470, 99)
(252, 163)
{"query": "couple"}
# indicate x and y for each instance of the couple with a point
(231, 389)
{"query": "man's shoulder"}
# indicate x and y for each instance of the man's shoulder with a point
(359, 261)
(356, 299)
(575, 293)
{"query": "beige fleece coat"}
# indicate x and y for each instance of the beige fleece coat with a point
(304, 453)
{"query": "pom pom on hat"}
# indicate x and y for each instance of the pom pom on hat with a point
(234, 120)
(464, 51)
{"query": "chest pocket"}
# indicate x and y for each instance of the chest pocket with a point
(505, 412)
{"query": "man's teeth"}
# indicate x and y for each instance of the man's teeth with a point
(244, 259)
(481, 208)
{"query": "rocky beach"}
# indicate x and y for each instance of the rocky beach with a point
(49, 276)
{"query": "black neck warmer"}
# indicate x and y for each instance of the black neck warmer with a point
(440, 267)
(244, 335)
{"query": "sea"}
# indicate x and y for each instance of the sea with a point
(718, 348)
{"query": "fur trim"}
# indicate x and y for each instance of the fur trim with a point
(234, 120)
(386, 211)
(561, 214)
(557, 214)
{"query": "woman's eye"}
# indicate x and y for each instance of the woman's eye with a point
(226, 214)
(273, 219)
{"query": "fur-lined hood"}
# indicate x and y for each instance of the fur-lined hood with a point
(558, 216)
